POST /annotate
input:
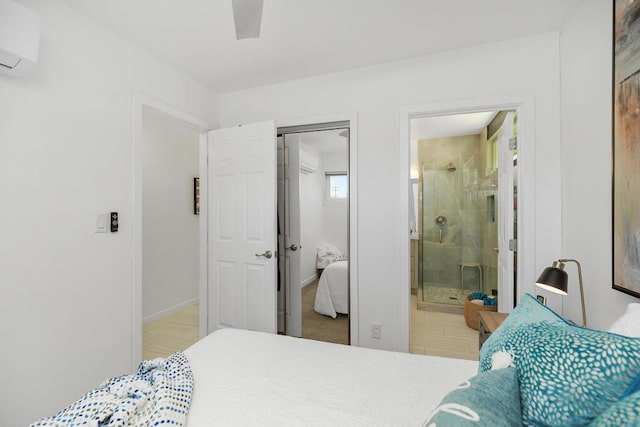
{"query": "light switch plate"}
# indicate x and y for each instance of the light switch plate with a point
(102, 223)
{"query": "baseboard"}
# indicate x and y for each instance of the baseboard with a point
(308, 280)
(169, 310)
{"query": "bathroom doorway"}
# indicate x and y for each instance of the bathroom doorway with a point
(463, 224)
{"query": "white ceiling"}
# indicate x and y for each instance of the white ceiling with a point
(303, 38)
(325, 141)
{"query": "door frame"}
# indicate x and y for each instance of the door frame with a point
(525, 104)
(141, 103)
(353, 205)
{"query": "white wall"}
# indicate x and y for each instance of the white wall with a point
(377, 94)
(311, 219)
(586, 55)
(335, 211)
(170, 241)
(66, 155)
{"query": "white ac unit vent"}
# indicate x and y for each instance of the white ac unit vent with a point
(308, 162)
(19, 38)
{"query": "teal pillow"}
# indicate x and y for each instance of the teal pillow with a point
(568, 375)
(488, 399)
(528, 311)
(624, 413)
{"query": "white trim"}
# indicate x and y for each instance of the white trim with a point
(203, 322)
(186, 119)
(353, 207)
(140, 103)
(169, 310)
(308, 280)
(525, 103)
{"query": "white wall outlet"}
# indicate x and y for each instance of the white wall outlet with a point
(376, 331)
(102, 223)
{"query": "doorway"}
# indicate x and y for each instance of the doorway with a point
(313, 232)
(183, 124)
(242, 252)
(463, 226)
(170, 236)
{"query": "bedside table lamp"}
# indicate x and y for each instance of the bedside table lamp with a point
(554, 279)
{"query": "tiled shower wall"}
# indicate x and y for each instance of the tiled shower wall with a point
(460, 196)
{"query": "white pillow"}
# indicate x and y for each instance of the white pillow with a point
(327, 254)
(629, 323)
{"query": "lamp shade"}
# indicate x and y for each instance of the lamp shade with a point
(553, 279)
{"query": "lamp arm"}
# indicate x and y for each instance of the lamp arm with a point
(584, 312)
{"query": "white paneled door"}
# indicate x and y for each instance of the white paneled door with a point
(242, 227)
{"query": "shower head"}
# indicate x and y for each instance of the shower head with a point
(451, 167)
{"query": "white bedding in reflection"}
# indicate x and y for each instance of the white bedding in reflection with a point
(332, 293)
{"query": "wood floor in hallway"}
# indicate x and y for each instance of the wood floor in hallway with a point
(173, 332)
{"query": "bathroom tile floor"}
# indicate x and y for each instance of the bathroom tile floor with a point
(441, 334)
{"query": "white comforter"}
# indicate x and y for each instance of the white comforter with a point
(244, 378)
(332, 293)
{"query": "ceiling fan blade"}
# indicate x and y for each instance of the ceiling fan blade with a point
(247, 15)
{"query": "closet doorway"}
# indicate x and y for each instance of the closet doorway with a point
(313, 232)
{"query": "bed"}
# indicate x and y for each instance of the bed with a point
(250, 378)
(332, 293)
(535, 369)
(246, 378)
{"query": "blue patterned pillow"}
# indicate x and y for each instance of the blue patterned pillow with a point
(624, 413)
(568, 375)
(528, 311)
(488, 399)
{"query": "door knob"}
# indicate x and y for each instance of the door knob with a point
(266, 254)
(293, 247)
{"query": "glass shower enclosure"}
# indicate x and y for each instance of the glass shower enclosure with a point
(458, 238)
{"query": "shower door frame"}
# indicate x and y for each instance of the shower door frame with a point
(525, 104)
(452, 279)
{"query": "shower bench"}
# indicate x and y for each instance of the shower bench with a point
(477, 265)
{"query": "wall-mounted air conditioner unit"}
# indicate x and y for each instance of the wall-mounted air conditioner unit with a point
(19, 38)
(308, 162)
